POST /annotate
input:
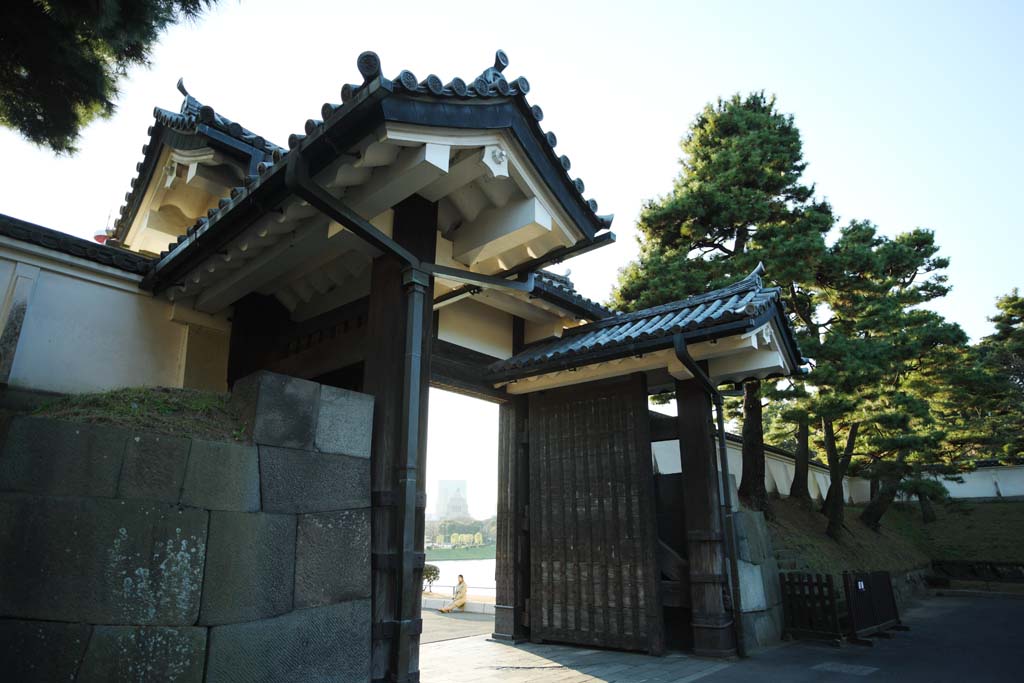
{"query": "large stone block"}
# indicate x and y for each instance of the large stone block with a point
(131, 653)
(330, 643)
(760, 629)
(250, 567)
(345, 423)
(154, 467)
(281, 410)
(42, 651)
(332, 557)
(101, 561)
(752, 596)
(61, 458)
(754, 544)
(770, 577)
(222, 476)
(304, 481)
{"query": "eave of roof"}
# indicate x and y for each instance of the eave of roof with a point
(24, 231)
(738, 308)
(196, 125)
(559, 290)
(364, 107)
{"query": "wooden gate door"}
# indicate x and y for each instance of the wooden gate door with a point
(594, 572)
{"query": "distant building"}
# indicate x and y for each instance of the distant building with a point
(451, 499)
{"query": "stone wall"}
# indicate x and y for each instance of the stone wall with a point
(136, 556)
(762, 618)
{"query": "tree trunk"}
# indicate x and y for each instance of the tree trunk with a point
(752, 489)
(872, 515)
(837, 465)
(799, 490)
(927, 509)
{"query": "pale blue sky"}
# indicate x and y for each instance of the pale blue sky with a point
(911, 112)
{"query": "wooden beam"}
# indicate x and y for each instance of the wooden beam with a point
(489, 162)
(512, 566)
(460, 370)
(414, 169)
(742, 366)
(517, 307)
(497, 230)
(270, 264)
(713, 635)
(399, 421)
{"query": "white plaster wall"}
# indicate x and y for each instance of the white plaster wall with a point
(778, 472)
(476, 326)
(88, 327)
(989, 482)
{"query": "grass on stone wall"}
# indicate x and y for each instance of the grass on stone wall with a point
(179, 412)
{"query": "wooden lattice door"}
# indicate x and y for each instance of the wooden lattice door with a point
(594, 573)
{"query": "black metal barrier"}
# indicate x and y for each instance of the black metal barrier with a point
(871, 606)
(814, 609)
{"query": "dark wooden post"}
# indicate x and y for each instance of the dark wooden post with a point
(512, 575)
(713, 634)
(397, 374)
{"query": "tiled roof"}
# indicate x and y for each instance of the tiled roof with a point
(195, 118)
(744, 304)
(560, 288)
(73, 246)
(491, 84)
(194, 113)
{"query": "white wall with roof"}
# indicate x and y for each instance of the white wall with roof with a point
(778, 472)
(72, 326)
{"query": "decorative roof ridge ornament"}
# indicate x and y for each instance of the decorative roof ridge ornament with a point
(492, 76)
(757, 273)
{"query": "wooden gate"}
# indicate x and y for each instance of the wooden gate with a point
(593, 537)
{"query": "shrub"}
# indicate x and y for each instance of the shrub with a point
(430, 574)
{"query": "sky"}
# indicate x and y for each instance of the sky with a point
(910, 114)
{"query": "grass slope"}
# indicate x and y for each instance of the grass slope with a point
(483, 552)
(180, 412)
(798, 534)
(992, 532)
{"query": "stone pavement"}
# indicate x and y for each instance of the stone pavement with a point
(951, 639)
(438, 627)
(480, 659)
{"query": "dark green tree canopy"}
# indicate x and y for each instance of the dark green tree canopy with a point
(62, 60)
(738, 200)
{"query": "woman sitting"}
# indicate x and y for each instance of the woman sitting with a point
(459, 601)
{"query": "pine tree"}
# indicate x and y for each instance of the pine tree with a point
(62, 60)
(873, 333)
(738, 200)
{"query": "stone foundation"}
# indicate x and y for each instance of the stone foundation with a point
(762, 617)
(135, 556)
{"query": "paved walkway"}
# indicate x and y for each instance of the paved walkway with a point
(952, 639)
(480, 659)
(439, 627)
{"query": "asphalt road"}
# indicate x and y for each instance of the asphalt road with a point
(969, 639)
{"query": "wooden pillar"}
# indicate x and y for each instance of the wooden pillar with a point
(713, 634)
(399, 425)
(512, 571)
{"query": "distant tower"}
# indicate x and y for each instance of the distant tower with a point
(447, 490)
(457, 506)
